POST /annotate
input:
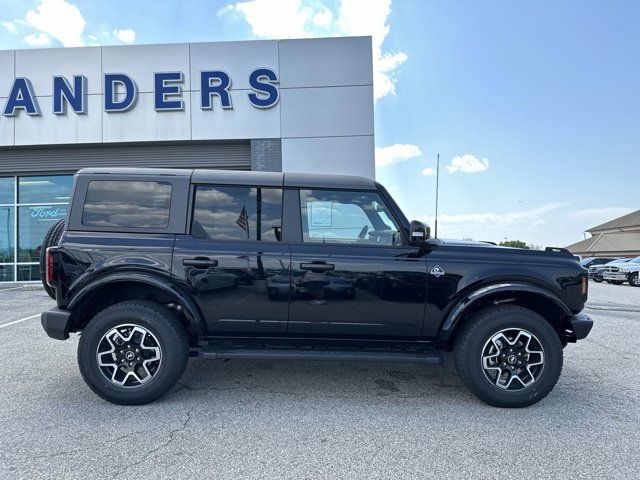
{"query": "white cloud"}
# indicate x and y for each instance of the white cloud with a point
(428, 171)
(323, 18)
(539, 223)
(125, 35)
(288, 20)
(543, 225)
(57, 19)
(370, 18)
(604, 214)
(10, 27)
(39, 40)
(63, 22)
(93, 41)
(400, 152)
(310, 18)
(492, 220)
(468, 164)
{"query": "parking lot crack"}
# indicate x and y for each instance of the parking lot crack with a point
(612, 309)
(170, 438)
(619, 354)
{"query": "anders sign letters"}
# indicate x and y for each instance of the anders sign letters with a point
(120, 92)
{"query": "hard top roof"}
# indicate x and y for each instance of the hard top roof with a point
(238, 177)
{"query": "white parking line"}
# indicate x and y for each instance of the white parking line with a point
(12, 288)
(18, 321)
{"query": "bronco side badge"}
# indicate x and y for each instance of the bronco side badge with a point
(437, 271)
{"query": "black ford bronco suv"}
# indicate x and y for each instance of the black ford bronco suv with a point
(155, 265)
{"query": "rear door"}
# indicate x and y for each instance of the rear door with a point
(233, 260)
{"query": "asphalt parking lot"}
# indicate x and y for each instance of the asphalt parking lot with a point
(269, 419)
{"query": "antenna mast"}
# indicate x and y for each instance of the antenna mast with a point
(437, 186)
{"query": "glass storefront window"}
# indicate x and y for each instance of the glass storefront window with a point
(6, 190)
(51, 194)
(28, 273)
(49, 189)
(6, 273)
(33, 224)
(6, 234)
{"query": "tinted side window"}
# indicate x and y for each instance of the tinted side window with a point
(237, 213)
(129, 204)
(350, 217)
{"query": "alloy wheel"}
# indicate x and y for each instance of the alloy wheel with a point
(129, 355)
(512, 359)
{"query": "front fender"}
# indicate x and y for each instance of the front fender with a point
(190, 308)
(475, 296)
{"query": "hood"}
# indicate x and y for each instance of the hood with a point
(549, 252)
(468, 243)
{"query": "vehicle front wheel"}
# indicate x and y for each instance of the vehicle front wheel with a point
(133, 352)
(597, 279)
(508, 356)
(634, 279)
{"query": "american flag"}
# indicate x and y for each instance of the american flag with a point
(243, 220)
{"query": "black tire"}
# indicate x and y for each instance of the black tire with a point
(634, 279)
(50, 239)
(477, 331)
(597, 279)
(162, 324)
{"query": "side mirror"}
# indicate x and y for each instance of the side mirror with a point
(419, 232)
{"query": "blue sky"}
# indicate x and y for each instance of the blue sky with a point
(534, 106)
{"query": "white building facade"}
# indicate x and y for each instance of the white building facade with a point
(289, 105)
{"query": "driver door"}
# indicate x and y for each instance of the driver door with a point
(353, 272)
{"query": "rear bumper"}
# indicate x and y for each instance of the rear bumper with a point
(56, 323)
(581, 324)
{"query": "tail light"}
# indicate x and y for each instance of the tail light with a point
(50, 271)
(584, 285)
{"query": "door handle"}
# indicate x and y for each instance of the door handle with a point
(200, 262)
(318, 267)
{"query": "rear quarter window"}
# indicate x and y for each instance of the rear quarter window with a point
(127, 204)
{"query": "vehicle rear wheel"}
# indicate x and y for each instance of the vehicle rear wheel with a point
(508, 356)
(50, 239)
(133, 352)
(634, 279)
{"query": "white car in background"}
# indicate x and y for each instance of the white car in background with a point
(627, 272)
(596, 271)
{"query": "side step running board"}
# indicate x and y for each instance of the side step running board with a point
(429, 357)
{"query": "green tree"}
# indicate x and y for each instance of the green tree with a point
(514, 244)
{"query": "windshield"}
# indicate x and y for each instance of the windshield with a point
(635, 260)
(586, 261)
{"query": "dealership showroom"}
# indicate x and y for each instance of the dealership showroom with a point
(226, 105)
